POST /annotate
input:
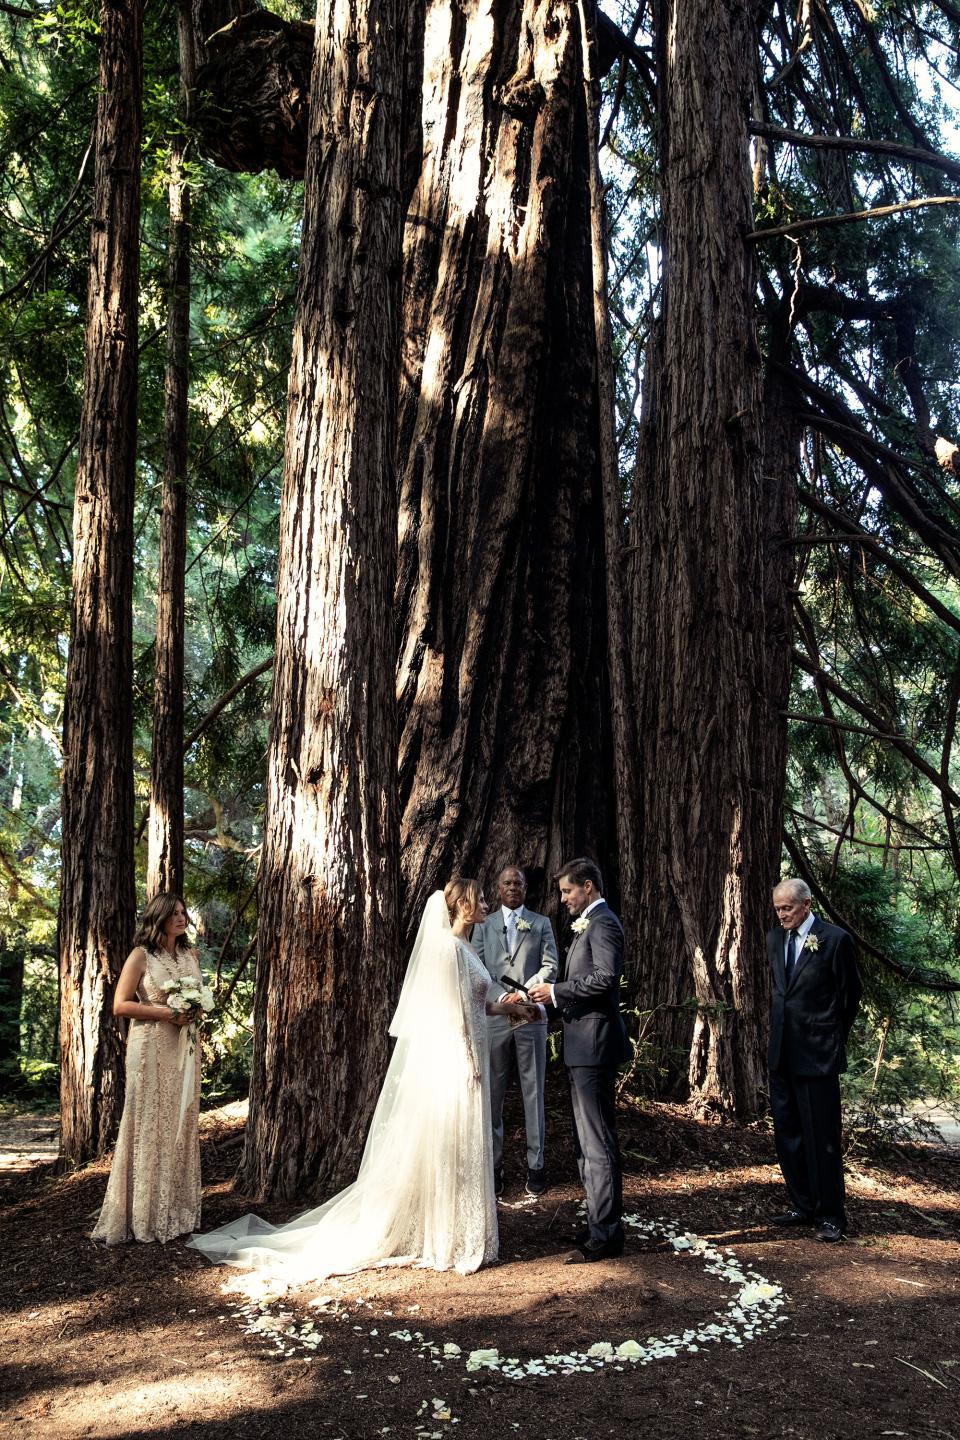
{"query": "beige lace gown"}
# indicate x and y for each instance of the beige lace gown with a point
(154, 1187)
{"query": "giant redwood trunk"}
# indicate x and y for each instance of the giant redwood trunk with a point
(327, 955)
(165, 844)
(501, 596)
(705, 717)
(504, 749)
(97, 898)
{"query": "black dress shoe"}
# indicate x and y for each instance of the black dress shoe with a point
(792, 1217)
(829, 1231)
(587, 1254)
(536, 1182)
(498, 1180)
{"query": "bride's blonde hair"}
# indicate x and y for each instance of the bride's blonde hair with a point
(461, 891)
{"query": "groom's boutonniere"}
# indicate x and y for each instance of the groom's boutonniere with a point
(580, 925)
(524, 924)
(811, 943)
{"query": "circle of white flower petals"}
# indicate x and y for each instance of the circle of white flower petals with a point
(753, 1310)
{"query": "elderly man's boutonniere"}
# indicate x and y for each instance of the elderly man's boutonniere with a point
(580, 925)
(811, 943)
(524, 924)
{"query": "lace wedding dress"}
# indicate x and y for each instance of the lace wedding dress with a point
(154, 1188)
(424, 1192)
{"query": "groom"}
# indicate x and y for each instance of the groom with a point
(595, 1042)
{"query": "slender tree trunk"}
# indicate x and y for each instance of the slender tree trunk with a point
(502, 680)
(97, 899)
(12, 959)
(328, 959)
(700, 573)
(165, 844)
(623, 736)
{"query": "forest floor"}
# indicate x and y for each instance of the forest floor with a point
(742, 1330)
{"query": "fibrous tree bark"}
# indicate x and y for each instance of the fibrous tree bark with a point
(328, 893)
(97, 899)
(502, 680)
(706, 715)
(165, 834)
(501, 603)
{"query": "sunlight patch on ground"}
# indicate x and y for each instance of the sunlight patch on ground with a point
(179, 1398)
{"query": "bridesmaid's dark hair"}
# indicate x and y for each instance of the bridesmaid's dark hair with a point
(154, 918)
(460, 891)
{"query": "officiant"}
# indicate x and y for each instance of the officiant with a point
(517, 946)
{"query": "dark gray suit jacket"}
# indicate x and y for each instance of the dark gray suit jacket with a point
(810, 1018)
(588, 996)
(535, 959)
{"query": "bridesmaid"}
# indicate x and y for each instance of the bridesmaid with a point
(154, 1187)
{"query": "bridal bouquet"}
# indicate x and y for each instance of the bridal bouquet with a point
(191, 997)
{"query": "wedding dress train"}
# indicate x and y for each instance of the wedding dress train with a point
(424, 1193)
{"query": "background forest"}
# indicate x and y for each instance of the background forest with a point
(814, 291)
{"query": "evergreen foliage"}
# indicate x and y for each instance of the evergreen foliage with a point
(859, 316)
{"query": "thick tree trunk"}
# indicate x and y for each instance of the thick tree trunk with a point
(502, 593)
(502, 679)
(165, 844)
(97, 899)
(328, 957)
(700, 578)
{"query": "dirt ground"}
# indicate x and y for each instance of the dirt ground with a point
(858, 1339)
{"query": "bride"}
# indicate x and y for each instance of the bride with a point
(424, 1193)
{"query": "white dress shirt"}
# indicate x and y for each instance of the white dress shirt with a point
(801, 932)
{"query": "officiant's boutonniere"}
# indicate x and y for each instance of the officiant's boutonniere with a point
(524, 925)
(580, 925)
(811, 943)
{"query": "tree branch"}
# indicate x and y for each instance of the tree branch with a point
(909, 153)
(858, 536)
(860, 707)
(820, 222)
(224, 700)
(855, 840)
(923, 979)
(841, 725)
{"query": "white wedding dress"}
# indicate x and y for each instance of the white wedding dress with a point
(424, 1193)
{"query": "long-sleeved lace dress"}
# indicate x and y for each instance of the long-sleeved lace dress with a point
(424, 1193)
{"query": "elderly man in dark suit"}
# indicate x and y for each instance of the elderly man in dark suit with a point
(595, 1042)
(816, 991)
(518, 948)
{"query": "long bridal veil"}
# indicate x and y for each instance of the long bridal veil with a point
(419, 1197)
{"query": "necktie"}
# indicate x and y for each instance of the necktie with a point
(791, 953)
(512, 931)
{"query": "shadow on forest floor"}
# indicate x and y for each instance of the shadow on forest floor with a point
(142, 1341)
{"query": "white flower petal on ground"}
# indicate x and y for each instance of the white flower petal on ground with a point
(483, 1359)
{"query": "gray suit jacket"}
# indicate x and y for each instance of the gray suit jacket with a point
(535, 960)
